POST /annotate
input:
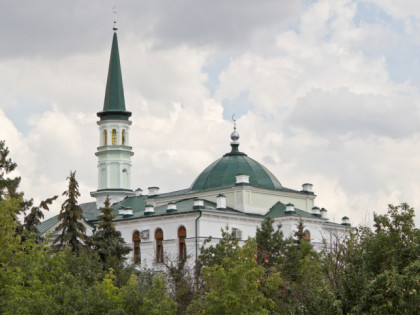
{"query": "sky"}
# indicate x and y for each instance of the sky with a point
(325, 92)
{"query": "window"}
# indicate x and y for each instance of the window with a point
(182, 234)
(114, 136)
(159, 245)
(123, 137)
(136, 244)
(105, 138)
(307, 235)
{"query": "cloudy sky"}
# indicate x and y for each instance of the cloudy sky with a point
(325, 92)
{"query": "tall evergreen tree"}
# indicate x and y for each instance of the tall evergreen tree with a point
(71, 218)
(107, 241)
(8, 186)
(270, 244)
(300, 233)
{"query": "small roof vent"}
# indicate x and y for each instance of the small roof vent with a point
(316, 211)
(198, 204)
(221, 201)
(149, 209)
(345, 221)
(307, 188)
(290, 208)
(153, 190)
(323, 213)
(125, 211)
(171, 207)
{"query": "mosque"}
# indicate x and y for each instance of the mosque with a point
(234, 191)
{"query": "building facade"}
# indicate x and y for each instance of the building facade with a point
(235, 191)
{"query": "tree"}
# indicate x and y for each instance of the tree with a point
(146, 296)
(233, 286)
(392, 292)
(8, 186)
(332, 258)
(306, 288)
(181, 283)
(270, 244)
(71, 218)
(107, 241)
(8, 238)
(35, 216)
(379, 265)
(214, 255)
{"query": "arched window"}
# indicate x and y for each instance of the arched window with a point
(114, 136)
(159, 245)
(123, 137)
(307, 235)
(105, 138)
(182, 235)
(136, 244)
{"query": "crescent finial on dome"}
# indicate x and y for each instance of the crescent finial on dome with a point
(234, 135)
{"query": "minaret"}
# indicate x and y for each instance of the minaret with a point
(114, 153)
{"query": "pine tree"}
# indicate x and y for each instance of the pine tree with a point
(71, 218)
(8, 186)
(107, 241)
(35, 216)
(270, 244)
(300, 233)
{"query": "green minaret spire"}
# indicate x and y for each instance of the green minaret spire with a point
(114, 104)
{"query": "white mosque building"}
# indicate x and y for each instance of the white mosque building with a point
(234, 191)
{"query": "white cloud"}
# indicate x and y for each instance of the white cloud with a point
(399, 9)
(324, 108)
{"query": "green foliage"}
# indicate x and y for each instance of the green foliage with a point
(8, 239)
(396, 242)
(214, 255)
(36, 215)
(392, 292)
(270, 244)
(149, 297)
(305, 288)
(233, 285)
(181, 284)
(107, 241)
(8, 186)
(71, 218)
(373, 258)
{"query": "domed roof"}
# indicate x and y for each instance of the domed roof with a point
(222, 172)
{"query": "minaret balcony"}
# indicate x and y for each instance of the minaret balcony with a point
(114, 148)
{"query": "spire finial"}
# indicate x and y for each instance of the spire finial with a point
(234, 135)
(114, 10)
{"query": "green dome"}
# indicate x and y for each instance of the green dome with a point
(222, 172)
